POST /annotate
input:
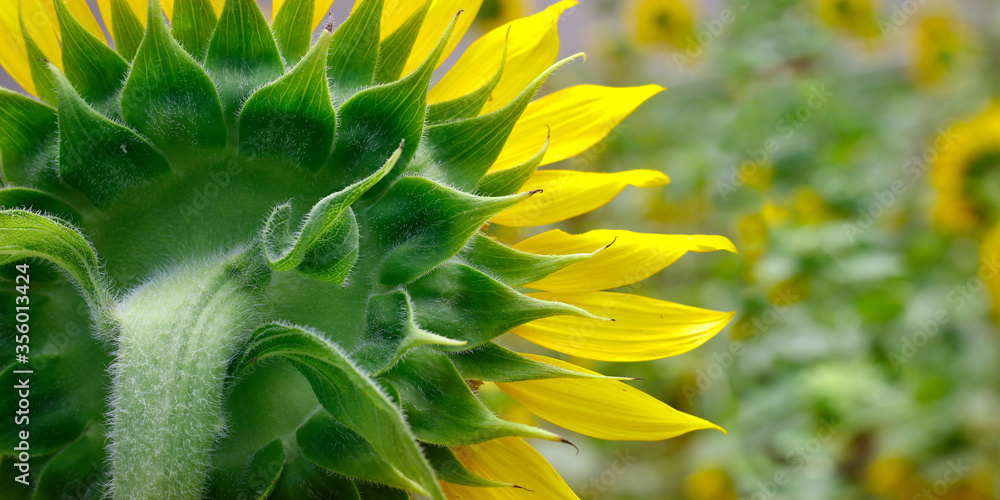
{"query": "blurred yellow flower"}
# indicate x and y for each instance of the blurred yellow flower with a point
(856, 17)
(989, 255)
(761, 177)
(774, 214)
(894, 478)
(939, 42)
(969, 148)
(496, 13)
(809, 207)
(662, 22)
(710, 483)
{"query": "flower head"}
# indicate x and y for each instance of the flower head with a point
(856, 17)
(668, 23)
(167, 176)
(966, 158)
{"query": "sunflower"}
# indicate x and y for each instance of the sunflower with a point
(667, 23)
(964, 172)
(939, 44)
(989, 258)
(279, 245)
(856, 17)
(496, 13)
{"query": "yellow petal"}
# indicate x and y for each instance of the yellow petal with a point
(81, 11)
(43, 26)
(439, 16)
(568, 193)
(141, 9)
(631, 257)
(533, 46)
(320, 9)
(604, 409)
(578, 118)
(395, 13)
(643, 328)
(510, 460)
(13, 54)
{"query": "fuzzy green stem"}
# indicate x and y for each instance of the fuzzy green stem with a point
(177, 334)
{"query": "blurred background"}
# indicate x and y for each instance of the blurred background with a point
(850, 150)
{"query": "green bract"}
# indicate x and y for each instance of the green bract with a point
(272, 259)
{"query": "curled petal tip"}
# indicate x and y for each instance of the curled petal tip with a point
(564, 440)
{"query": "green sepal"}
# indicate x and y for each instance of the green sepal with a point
(242, 54)
(442, 409)
(512, 267)
(271, 402)
(395, 49)
(40, 74)
(329, 225)
(469, 105)
(292, 119)
(193, 24)
(462, 303)
(375, 491)
(374, 121)
(391, 331)
(27, 234)
(332, 446)
(95, 69)
(76, 471)
(492, 362)
(510, 180)
(450, 469)
(350, 396)
(439, 221)
(168, 96)
(354, 50)
(334, 255)
(38, 202)
(469, 147)
(301, 479)
(255, 478)
(97, 156)
(292, 29)
(126, 28)
(28, 136)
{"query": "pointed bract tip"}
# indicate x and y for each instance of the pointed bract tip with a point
(522, 488)
(534, 192)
